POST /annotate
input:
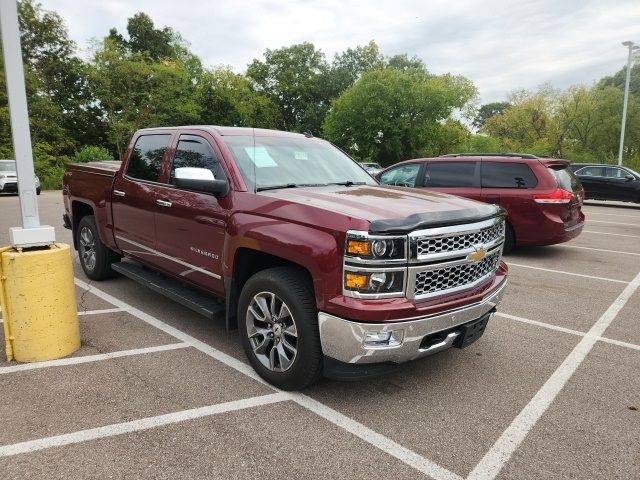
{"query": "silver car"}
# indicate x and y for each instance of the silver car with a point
(372, 167)
(9, 179)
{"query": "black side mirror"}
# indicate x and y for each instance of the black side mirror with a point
(200, 180)
(629, 177)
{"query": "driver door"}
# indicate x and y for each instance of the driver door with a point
(190, 226)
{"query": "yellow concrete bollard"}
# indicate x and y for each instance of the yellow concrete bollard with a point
(38, 303)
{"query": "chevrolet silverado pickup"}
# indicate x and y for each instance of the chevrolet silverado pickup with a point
(322, 270)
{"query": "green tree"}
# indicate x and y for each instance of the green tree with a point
(618, 79)
(403, 63)
(348, 66)
(390, 115)
(227, 98)
(488, 110)
(290, 76)
(526, 124)
(135, 93)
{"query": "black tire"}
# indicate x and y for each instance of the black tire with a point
(100, 267)
(509, 238)
(292, 287)
(38, 191)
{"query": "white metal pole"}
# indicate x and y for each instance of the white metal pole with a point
(19, 118)
(624, 103)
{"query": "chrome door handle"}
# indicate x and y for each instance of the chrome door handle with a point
(163, 203)
(119, 193)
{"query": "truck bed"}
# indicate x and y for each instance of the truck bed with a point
(104, 167)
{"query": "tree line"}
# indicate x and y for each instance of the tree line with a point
(375, 107)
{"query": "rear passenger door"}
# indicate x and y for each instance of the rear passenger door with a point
(134, 195)
(457, 178)
(617, 185)
(190, 226)
(593, 180)
(510, 184)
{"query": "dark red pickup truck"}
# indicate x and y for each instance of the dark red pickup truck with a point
(321, 269)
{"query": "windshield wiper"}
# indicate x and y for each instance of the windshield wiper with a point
(348, 183)
(289, 185)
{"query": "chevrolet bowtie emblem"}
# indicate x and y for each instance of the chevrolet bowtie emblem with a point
(478, 255)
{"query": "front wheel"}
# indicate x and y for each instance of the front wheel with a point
(278, 327)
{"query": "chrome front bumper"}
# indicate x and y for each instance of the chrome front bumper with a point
(343, 340)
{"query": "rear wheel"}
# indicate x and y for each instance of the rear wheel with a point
(95, 257)
(509, 238)
(278, 327)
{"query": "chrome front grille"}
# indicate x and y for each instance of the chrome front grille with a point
(448, 259)
(427, 245)
(439, 280)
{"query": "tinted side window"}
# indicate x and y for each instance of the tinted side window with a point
(450, 174)
(194, 151)
(591, 172)
(146, 157)
(507, 175)
(404, 175)
(614, 172)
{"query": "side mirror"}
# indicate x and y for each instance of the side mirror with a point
(629, 177)
(200, 180)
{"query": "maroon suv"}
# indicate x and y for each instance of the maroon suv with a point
(542, 197)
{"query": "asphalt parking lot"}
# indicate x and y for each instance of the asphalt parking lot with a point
(552, 390)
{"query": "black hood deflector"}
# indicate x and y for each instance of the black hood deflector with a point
(419, 221)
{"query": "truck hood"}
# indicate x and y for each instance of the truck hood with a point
(390, 209)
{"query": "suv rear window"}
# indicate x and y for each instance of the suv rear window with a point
(507, 175)
(146, 157)
(566, 179)
(450, 174)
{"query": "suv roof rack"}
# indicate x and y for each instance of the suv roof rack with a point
(520, 155)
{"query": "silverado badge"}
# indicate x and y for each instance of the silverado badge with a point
(478, 255)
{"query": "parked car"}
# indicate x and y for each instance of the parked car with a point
(608, 182)
(9, 177)
(542, 197)
(372, 167)
(322, 270)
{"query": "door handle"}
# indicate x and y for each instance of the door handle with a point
(163, 203)
(119, 193)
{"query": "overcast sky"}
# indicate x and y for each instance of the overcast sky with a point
(500, 45)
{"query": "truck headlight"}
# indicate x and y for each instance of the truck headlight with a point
(363, 246)
(375, 283)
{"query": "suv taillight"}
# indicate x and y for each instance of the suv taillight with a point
(557, 196)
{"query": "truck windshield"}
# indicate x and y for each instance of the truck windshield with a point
(7, 166)
(285, 162)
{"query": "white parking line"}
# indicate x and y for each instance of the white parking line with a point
(510, 264)
(615, 223)
(377, 440)
(91, 358)
(604, 250)
(138, 425)
(558, 328)
(373, 438)
(610, 214)
(500, 453)
(98, 312)
(613, 234)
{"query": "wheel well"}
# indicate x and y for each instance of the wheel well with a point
(78, 211)
(248, 262)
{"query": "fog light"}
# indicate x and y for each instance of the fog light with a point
(355, 281)
(383, 339)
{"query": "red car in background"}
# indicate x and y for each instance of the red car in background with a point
(542, 196)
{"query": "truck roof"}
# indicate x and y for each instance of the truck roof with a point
(232, 131)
